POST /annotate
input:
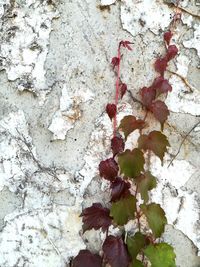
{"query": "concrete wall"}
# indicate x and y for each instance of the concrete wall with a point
(55, 81)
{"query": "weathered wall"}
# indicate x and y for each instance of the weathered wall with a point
(55, 81)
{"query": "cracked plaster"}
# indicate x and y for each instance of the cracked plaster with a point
(43, 229)
(26, 27)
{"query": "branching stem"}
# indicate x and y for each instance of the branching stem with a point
(182, 142)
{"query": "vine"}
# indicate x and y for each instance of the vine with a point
(130, 178)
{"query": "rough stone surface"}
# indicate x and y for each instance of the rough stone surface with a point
(55, 81)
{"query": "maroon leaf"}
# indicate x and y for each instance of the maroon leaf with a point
(117, 144)
(123, 89)
(126, 44)
(161, 85)
(111, 110)
(115, 61)
(96, 217)
(120, 188)
(157, 82)
(115, 252)
(171, 52)
(164, 88)
(168, 36)
(148, 95)
(161, 65)
(86, 258)
(160, 111)
(108, 169)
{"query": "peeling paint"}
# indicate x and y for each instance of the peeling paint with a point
(181, 206)
(44, 228)
(181, 99)
(41, 237)
(107, 2)
(39, 233)
(25, 34)
(194, 42)
(140, 16)
(70, 111)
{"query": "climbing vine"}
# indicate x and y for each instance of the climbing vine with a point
(128, 172)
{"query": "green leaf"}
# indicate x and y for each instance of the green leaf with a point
(156, 142)
(123, 210)
(155, 217)
(131, 162)
(145, 182)
(129, 124)
(136, 263)
(160, 255)
(135, 244)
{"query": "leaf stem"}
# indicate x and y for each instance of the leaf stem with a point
(117, 88)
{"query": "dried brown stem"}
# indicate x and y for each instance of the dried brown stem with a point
(183, 79)
(182, 142)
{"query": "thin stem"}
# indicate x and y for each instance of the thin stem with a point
(107, 233)
(143, 256)
(117, 89)
(176, 16)
(135, 99)
(182, 142)
(137, 212)
(183, 79)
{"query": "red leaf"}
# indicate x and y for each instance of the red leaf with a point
(115, 61)
(161, 65)
(160, 111)
(96, 217)
(120, 188)
(86, 258)
(111, 110)
(168, 36)
(171, 52)
(165, 87)
(123, 89)
(126, 44)
(108, 169)
(148, 95)
(161, 85)
(157, 82)
(115, 252)
(117, 144)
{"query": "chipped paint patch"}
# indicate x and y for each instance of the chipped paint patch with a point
(70, 111)
(24, 43)
(42, 231)
(194, 42)
(41, 237)
(181, 206)
(11, 148)
(180, 99)
(107, 2)
(140, 16)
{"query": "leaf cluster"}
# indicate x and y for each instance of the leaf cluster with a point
(131, 182)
